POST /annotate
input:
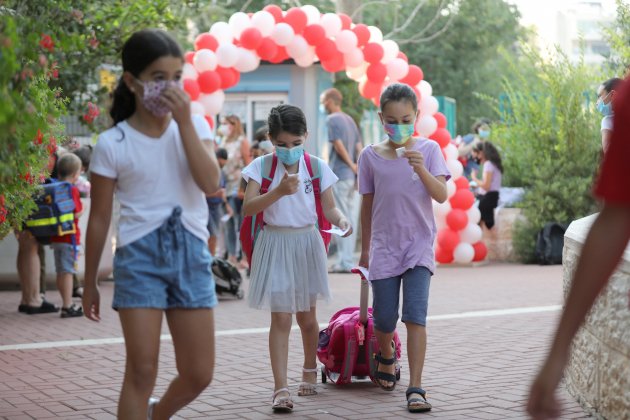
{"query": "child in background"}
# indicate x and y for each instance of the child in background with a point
(216, 203)
(288, 268)
(66, 247)
(398, 231)
(489, 186)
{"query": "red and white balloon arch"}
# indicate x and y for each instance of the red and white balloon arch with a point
(332, 39)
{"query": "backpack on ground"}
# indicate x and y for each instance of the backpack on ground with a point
(550, 243)
(55, 212)
(252, 225)
(227, 278)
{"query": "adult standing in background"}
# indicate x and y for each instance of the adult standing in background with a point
(605, 97)
(233, 140)
(346, 144)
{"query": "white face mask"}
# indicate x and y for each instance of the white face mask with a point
(224, 129)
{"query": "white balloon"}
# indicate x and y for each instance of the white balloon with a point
(282, 34)
(397, 69)
(440, 210)
(428, 105)
(450, 188)
(298, 47)
(474, 215)
(463, 253)
(426, 125)
(375, 34)
(306, 59)
(189, 72)
(197, 107)
(238, 22)
(331, 24)
(247, 61)
(346, 41)
(425, 88)
(455, 167)
(357, 73)
(450, 151)
(312, 14)
(391, 51)
(264, 22)
(227, 55)
(471, 234)
(205, 60)
(222, 32)
(354, 58)
(213, 102)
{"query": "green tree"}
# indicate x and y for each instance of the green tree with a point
(619, 38)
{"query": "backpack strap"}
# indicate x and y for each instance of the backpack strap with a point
(269, 165)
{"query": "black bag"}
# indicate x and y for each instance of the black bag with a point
(227, 278)
(549, 243)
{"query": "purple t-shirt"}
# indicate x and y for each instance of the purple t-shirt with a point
(403, 226)
(495, 182)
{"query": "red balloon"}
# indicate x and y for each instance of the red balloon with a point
(462, 183)
(251, 38)
(297, 19)
(447, 239)
(276, 12)
(403, 56)
(334, 64)
(210, 121)
(209, 81)
(229, 77)
(346, 21)
(206, 41)
(267, 49)
(280, 56)
(414, 76)
(373, 53)
(189, 57)
(462, 199)
(376, 101)
(481, 251)
(457, 219)
(376, 73)
(441, 119)
(192, 88)
(363, 34)
(371, 90)
(442, 136)
(314, 34)
(326, 50)
(442, 256)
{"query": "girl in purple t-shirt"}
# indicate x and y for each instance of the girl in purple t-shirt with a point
(398, 231)
(490, 183)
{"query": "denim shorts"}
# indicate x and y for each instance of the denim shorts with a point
(65, 257)
(166, 269)
(415, 286)
(214, 221)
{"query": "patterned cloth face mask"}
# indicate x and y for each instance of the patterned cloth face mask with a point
(399, 133)
(152, 95)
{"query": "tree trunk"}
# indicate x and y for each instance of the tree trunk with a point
(348, 7)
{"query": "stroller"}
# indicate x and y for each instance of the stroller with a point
(227, 279)
(348, 345)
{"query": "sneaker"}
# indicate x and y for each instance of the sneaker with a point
(72, 311)
(77, 292)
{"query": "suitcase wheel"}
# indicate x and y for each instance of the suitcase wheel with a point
(324, 378)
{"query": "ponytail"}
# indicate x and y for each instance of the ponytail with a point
(123, 104)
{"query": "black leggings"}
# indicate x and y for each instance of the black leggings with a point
(487, 204)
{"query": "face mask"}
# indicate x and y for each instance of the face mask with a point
(604, 109)
(266, 145)
(484, 134)
(152, 95)
(225, 129)
(399, 133)
(290, 156)
(322, 109)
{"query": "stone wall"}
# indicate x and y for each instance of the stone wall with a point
(499, 238)
(598, 374)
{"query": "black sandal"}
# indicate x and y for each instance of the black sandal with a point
(384, 376)
(45, 308)
(412, 403)
(73, 311)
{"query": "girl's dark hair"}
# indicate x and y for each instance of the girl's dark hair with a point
(611, 84)
(140, 50)
(287, 118)
(399, 92)
(491, 153)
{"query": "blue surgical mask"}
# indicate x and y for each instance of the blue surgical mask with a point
(399, 133)
(322, 109)
(484, 134)
(604, 109)
(290, 156)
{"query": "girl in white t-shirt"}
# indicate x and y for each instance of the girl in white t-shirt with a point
(288, 270)
(159, 161)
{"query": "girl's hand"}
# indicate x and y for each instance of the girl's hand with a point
(416, 160)
(92, 302)
(289, 184)
(178, 102)
(344, 224)
(364, 260)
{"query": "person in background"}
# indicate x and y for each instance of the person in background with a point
(605, 98)
(489, 185)
(480, 132)
(602, 250)
(217, 202)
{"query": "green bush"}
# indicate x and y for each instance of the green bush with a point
(550, 142)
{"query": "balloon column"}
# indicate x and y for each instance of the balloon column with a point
(332, 39)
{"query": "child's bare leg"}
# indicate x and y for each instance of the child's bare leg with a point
(279, 348)
(212, 245)
(310, 335)
(64, 285)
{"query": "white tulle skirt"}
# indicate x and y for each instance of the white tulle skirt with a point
(288, 270)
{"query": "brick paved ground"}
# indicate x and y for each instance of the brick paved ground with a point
(477, 367)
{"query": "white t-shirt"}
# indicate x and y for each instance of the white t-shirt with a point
(152, 178)
(607, 123)
(296, 210)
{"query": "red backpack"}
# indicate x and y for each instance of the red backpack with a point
(252, 225)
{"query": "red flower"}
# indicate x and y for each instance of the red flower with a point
(47, 43)
(39, 139)
(3, 210)
(52, 145)
(91, 114)
(94, 42)
(55, 74)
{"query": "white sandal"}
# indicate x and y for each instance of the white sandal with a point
(282, 404)
(307, 389)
